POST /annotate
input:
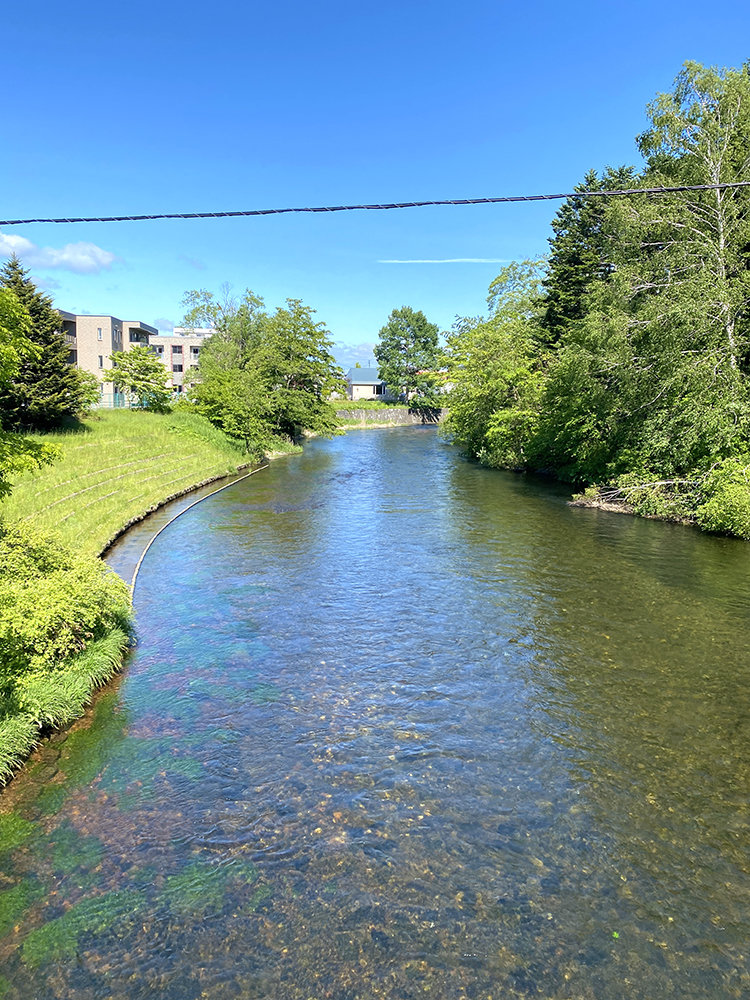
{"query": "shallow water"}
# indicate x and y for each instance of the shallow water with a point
(400, 726)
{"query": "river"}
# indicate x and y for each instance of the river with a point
(399, 726)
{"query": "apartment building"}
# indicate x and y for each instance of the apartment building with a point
(179, 352)
(92, 339)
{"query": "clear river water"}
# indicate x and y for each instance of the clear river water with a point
(398, 726)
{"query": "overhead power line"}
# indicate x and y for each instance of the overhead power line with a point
(385, 206)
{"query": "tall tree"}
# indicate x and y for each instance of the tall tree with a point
(496, 372)
(408, 355)
(699, 241)
(46, 388)
(140, 374)
(586, 248)
(261, 375)
(294, 359)
(17, 453)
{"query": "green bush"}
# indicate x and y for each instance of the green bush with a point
(52, 603)
(64, 626)
(727, 489)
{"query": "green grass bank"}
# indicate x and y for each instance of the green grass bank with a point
(65, 618)
(114, 467)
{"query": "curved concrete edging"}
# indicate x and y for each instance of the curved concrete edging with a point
(179, 514)
(138, 518)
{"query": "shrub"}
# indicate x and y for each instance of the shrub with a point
(52, 602)
(727, 507)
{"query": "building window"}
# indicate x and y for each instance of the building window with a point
(177, 350)
(176, 368)
(194, 350)
(101, 361)
(98, 333)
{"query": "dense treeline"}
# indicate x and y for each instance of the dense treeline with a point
(621, 362)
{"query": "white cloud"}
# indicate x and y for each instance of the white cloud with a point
(162, 323)
(347, 355)
(451, 260)
(82, 258)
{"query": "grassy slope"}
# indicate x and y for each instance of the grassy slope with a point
(119, 465)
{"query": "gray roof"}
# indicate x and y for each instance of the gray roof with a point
(367, 376)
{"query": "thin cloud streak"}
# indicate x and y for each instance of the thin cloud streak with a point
(451, 260)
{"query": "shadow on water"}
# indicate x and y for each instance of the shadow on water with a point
(398, 725)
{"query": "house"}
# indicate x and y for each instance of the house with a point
(366, 383)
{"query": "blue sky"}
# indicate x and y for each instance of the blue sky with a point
(151, 107)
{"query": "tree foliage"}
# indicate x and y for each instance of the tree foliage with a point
(45, 388)
(496, 372)
(15, 346)
(263, 375)
(408, 355)
(17, 453)
(585, 249)
(142, 376)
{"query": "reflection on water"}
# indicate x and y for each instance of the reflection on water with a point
(400, 726)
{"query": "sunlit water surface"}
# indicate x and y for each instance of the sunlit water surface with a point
(398, 726)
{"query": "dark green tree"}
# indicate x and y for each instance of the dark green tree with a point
(408, 356)
(17, 453)
(294, 360)
(46, 388)
(586, 248)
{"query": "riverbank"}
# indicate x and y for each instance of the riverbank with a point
(114, 466)
(65, 618)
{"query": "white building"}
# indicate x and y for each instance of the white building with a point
(179, 352)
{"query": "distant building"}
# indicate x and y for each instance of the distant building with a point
(179, 352)
(366, 383)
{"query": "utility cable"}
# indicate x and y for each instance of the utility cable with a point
(385, 206)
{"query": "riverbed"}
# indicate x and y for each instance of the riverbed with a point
(399, 726)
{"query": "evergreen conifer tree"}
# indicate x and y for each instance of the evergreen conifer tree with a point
(46, 388)
(585, 249)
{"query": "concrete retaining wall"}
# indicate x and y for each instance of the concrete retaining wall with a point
(387, 417)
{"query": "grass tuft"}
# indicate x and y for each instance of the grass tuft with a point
(54, 698)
